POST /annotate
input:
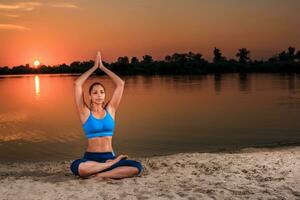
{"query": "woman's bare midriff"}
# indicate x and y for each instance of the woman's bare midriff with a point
(100, 144)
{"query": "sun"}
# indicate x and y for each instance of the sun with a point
(36, 63)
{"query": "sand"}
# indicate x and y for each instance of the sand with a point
(264, 173)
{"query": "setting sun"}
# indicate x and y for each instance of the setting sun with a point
(36, 63)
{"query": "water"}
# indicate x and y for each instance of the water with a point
(158, 115)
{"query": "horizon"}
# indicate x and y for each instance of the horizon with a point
(43, 30)
(32, 65)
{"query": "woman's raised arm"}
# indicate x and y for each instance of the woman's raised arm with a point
(119, 83)
(79, 81)
(79, 99)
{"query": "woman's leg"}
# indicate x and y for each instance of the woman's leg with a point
(85, 167)
(122, 169)
(119, 172)
(91, 167)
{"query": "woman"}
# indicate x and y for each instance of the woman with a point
(98, 122)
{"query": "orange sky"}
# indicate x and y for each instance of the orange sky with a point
(56, 32)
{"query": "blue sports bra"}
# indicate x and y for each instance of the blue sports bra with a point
(94, 127)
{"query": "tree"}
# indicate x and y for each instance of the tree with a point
(218, 56)
(134, 60)
(168, 58)
(291, 54)
(283, 56)
(198, 58)
(123, 60)
(147, 59)
(243, 55)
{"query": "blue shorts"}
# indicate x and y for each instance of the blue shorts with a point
(102, 157)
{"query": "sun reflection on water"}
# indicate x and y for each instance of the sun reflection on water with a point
(37, 86)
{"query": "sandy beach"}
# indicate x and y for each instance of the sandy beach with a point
(252, 173)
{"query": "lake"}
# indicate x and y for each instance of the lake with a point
(158, 115)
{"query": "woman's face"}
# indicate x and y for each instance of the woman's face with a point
(97, 94)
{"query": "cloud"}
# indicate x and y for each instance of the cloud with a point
(27, 6)
(64, 5)
(9, 15)
(13, 27)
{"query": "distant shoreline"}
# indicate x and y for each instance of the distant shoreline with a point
(145, 75)
(177, 64)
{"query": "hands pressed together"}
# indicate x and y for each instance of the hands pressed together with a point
(116, 79)
(98, 61)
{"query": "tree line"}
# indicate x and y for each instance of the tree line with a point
(178, 63)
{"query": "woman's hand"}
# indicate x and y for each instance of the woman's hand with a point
(79, 81)
(101, 66)
(120, 157)
(98, 58)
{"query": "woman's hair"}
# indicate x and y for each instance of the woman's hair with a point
(95, 83)
(90, 90)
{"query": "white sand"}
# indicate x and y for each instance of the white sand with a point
(248, 174)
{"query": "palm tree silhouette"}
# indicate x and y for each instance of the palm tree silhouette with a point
(291, 53)
(243, 55)
(218, 55)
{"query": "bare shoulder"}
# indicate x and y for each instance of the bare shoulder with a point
(111, 111)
